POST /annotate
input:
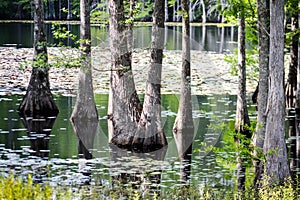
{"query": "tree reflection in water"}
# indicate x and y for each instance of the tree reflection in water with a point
(141, 171)
(85, 131)
(39, 130)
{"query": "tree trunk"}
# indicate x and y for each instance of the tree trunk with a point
(166, 11)
(242, 119)
(149, 135)
(174, 12)
(183, 129)
(276, 165)
(38, 101)
(124, 106)
(59, 9)
(203, 12)
(203, 37)
(262, 95)
(69, 16)
(85, 107)
(178, 7)
(191, 12)
(51, 10)
(291, 85)
(130, 27)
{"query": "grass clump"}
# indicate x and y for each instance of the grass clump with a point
(15, 188)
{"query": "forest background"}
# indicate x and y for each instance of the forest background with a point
(200, 10)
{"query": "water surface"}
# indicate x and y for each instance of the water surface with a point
(204, 38)
(61, 162)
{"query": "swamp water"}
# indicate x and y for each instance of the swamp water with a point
(204, 38)
(55, 156)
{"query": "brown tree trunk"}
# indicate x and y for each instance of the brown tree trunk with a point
(276, 165)
(130, 41)
(242, 119)
(262, 95)
(38, 101)
(183, 129)
(85, 107)
(149, 135)
(124, 106)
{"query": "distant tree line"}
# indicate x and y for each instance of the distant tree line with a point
(199, 10)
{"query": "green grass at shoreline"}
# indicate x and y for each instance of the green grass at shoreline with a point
(15, 188)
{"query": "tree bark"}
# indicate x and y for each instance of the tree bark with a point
(242, 119)
(166, 11)
(149, 135)
(84, 117)
(276, 165)
(38, 101)
(130, 41)
(124, 105)
(85, 107)
(203, 12)
(263, 10)
(183, 129)
(69, 16)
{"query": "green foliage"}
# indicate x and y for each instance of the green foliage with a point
(76, 8)
(12, 187)
(140, 12)
(292, 10)
(251, 63)
(228, 149)
(236, 8)
(229, 145)
(41, 61)
(61, 33)
(288, 190)
(99, 15)
(26, 4)
(232, 12)
(15, 188)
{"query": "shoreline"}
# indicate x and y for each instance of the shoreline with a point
(209, 71)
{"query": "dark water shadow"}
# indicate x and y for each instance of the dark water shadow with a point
(39, 130)
(141, 171)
